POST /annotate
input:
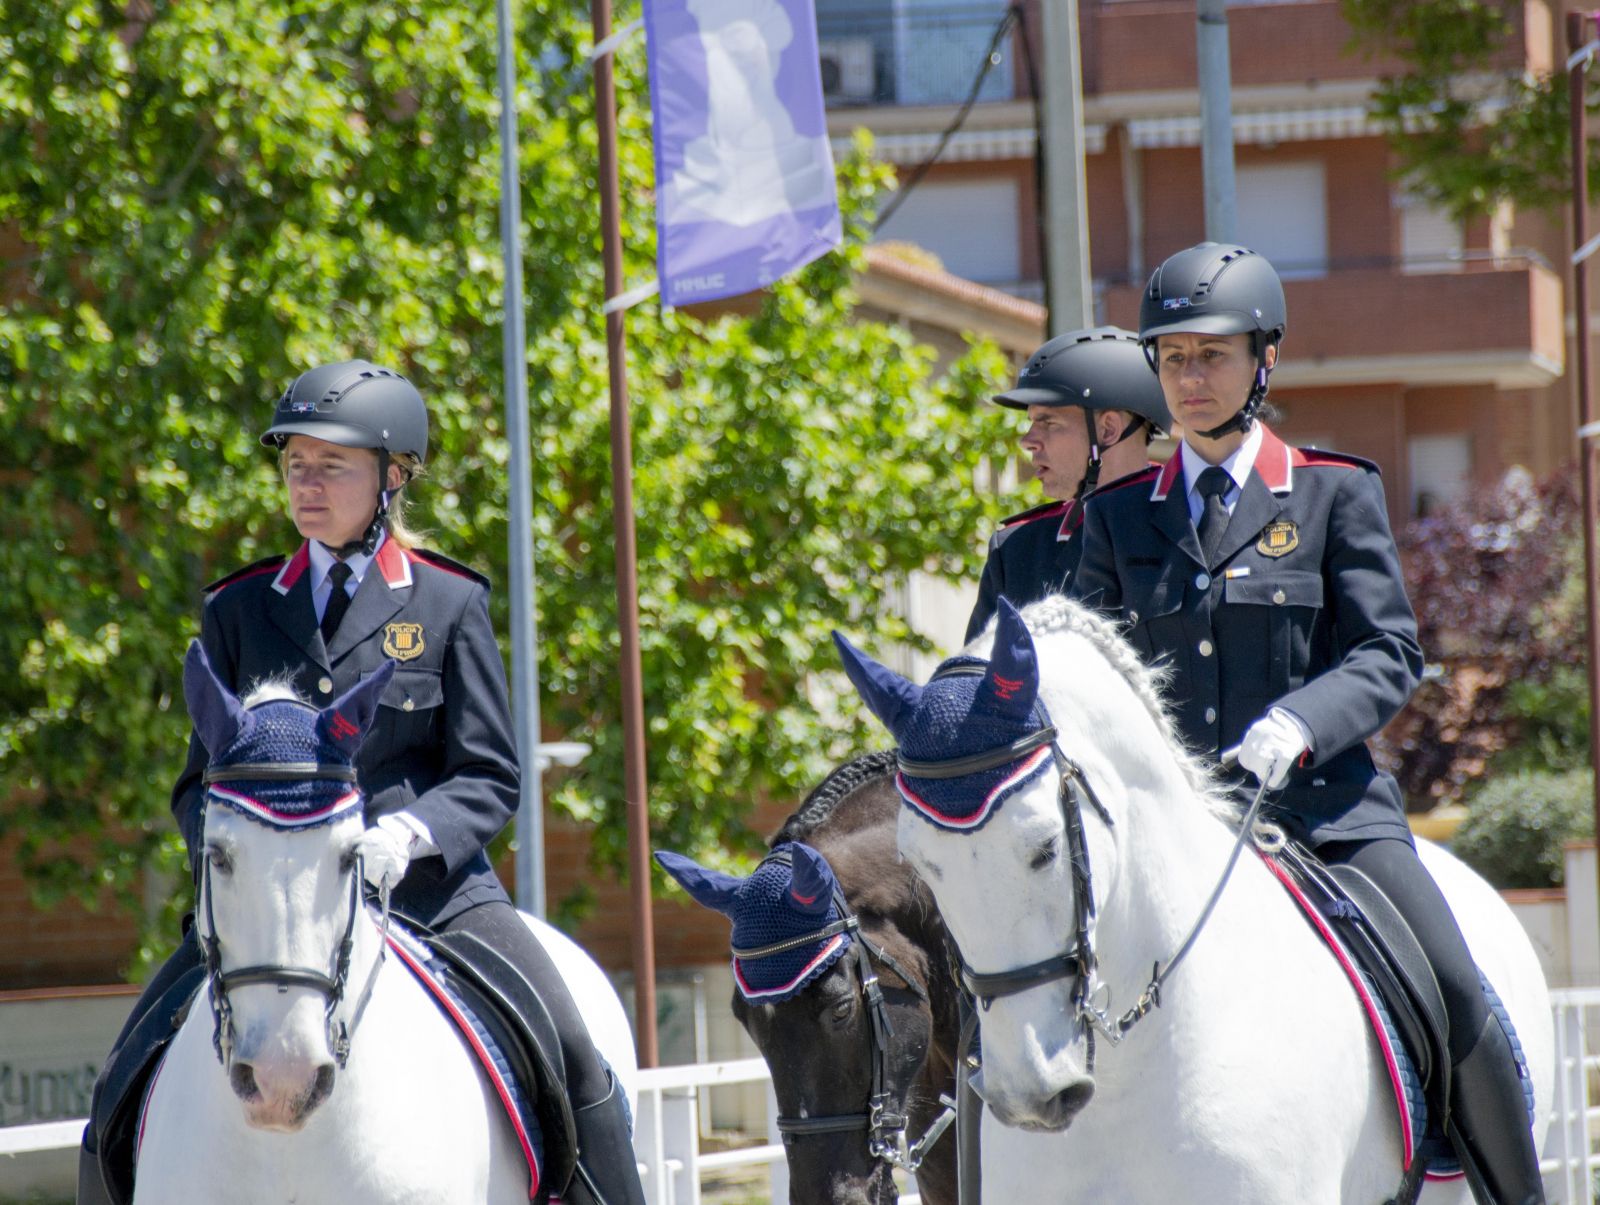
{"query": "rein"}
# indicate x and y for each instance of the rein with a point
(332, 987)
(885, 1125)
(1078, 963)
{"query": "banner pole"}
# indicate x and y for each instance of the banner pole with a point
(635, 786)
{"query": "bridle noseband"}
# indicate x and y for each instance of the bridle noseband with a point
(884, 1124)
(333, 986)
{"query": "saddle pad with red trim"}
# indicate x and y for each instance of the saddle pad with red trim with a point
(1419, 1132)
(441, 983)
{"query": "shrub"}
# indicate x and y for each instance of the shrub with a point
(1516, 826)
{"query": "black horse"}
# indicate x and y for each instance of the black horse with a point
(863, 1055)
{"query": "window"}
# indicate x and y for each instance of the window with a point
(1430, 239)
(1283, 213)
(972, 226)
(1441, 470)
(939, 50)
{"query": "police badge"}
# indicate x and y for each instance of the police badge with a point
(403, 641)
(1279, 539)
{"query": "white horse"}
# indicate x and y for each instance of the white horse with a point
(1257, 1080)
(254, 1105)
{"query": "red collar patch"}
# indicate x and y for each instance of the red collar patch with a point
(394, 564)
(292, 569)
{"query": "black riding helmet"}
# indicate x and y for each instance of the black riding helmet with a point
(1102, 368)
(355, 404)
(1217, 289)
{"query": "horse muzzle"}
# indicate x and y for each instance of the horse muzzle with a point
(280, 1095)
(1050, 1113)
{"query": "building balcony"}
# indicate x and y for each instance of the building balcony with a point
(1483, 319)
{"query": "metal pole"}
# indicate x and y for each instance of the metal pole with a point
(1068, 288)
(633, 766)
(1216, 120)
(519, 517)
(1576, 23)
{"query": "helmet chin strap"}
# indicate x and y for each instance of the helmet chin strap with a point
(1091, 472)
(1245, 418)
(367, 542)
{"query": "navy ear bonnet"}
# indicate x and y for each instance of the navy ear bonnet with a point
(310, 753)
(791, 896)
(961, 714)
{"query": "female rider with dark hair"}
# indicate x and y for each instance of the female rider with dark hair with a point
(1266, 577)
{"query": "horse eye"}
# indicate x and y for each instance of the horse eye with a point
(843, 1009)
(220, 861)
(1045, 854)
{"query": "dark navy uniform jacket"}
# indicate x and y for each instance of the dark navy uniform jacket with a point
(1304, 608)
(442, 745)
(1032, 555)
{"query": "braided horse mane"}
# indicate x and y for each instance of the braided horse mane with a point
(1059, 614)
(833, 790)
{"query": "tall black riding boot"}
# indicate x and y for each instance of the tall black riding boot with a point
(1489, 1125)
(91, 1184)
(607, 1173)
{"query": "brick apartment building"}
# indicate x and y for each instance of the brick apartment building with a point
(1433, 347)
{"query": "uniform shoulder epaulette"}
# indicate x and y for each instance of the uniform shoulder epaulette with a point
(1145, 475)
(265, 565)
(1055, 508)
(443, 563)
(1320, 458)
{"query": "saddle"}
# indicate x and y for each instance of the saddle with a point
(1374, 934)
(503, 1000)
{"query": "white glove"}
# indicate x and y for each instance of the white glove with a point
(385, 852)
(1272, 746)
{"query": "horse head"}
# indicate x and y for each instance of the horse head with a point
(845, 1047)
(280, 886)
(1015, 773)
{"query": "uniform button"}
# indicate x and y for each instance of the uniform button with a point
(325, 685)
(407, 705)
(1202, 581)
(1205, 648)
(1279, 597)
(1211, 715)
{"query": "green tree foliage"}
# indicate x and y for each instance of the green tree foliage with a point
(1470, 126)
(1518, 824)
(198, 201)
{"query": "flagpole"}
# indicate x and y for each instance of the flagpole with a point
(635, 787)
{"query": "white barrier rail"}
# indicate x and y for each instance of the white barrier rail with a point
(666, 1135)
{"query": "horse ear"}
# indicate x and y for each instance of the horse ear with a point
(346, 720)
(888, 694)
(812, 882)
(1012, 682)
(215, 710)
(712, 888)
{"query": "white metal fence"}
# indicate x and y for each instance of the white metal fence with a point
(668, 1134)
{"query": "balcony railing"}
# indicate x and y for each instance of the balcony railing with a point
(915, 53)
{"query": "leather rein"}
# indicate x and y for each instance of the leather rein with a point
(1078, 963)
(884, 1123)
(332, 987)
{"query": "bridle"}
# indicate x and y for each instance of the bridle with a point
(1078, 963)
(884, 1123)
(332, 987)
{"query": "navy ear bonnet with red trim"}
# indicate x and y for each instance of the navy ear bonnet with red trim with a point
(277, 732)
(791, 894)
(959, 716)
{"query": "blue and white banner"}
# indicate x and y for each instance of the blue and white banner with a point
(745, 189)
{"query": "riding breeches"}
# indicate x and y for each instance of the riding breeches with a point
(1394, 866)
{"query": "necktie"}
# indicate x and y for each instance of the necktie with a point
(338, 601)
(1213, 484)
